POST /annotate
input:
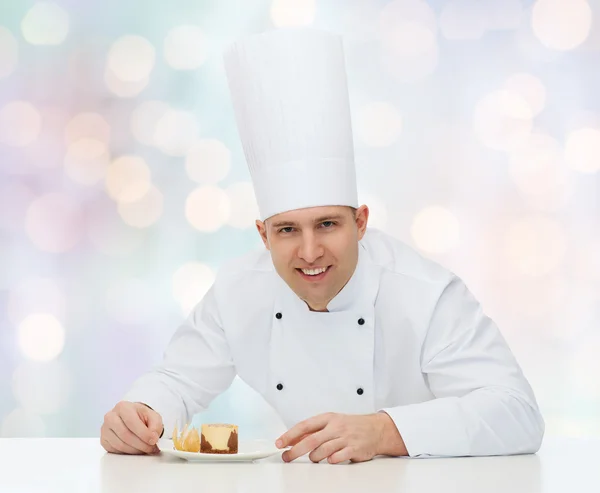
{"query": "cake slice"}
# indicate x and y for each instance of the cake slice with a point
(219, 439)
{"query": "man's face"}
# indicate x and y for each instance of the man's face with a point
(315, 250)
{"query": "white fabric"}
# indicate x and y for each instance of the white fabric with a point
(426, 354)
(290, 98)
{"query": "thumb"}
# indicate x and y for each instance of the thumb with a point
(151, 419)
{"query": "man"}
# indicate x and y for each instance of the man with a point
(362, 346)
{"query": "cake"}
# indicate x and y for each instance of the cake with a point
(219, 439)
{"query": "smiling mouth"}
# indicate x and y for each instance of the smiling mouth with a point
(314, 274)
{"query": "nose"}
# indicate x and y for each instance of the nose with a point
(310, 249)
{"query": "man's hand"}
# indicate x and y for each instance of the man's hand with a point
(342, 437)
(131, 428)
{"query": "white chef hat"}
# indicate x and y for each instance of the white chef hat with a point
(290, 97)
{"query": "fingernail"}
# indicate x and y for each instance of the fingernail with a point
(279, 444)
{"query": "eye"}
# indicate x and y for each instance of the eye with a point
(327, 224)
(287, 229)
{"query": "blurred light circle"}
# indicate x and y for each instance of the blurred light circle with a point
(20, 124)
(537, 167)
(131, 58)
(46, 23)
(176, 131)
(502, 120)
(22, 424)
(530, 89)
(378, 124)
(131, 301)
(535, 245)
(53, 223)
(87, 126)
(378, 213)
(293, 13)
(144, 212)
(540, 172)
(407, 32)
(109, 235)
(42, 388)
(208, 161)
(144, 121)
(207, 208)
(41, 337)
(504, 15)
(9, 52)
(582, 150)
(435, 230)
(463, 19)
(36, 295)
(561, 24)
(86, 161)
(244, 208)
(190, 283)
(124, 89)
(128, 179)
(185, 47)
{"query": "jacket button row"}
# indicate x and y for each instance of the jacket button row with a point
(358, 391)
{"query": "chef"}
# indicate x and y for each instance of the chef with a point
(362, 346)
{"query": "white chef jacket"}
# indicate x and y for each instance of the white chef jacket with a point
(404, 336)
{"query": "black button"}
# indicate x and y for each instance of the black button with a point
(278, 315)
(360, 391)
(361, 321)
(279, 386)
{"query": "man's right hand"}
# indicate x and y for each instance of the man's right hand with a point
(131, 428)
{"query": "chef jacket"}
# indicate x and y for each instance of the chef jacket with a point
(404, 336)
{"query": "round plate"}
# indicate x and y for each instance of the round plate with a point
(248, 450)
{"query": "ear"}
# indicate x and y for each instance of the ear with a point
(362, 218)
(262, 231)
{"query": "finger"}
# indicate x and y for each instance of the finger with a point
(120, 446)
(305, 427)
(296, 440)
(135, 424)
(308, 444)
(341, 456)
(107, 446)
(153, 421)
(327, 449)
(124, 433)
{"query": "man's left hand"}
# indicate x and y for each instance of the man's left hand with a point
(339, 437)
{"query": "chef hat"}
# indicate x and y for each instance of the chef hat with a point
(290, 97)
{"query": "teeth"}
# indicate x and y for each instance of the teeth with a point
(314, 272)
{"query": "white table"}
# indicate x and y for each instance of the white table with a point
(80, 465)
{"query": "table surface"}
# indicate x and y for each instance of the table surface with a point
(69, 465)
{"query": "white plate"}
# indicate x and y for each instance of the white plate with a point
(248, 450)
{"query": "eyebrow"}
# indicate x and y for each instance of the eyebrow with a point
(333, 217)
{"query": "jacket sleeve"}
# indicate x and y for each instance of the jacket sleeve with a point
(196, 367)
(483, 404)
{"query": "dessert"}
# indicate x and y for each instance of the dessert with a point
(188, 441)
(219, 439)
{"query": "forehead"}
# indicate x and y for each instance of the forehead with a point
(309, 215)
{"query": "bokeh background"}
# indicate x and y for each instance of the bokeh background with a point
(123, 186)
